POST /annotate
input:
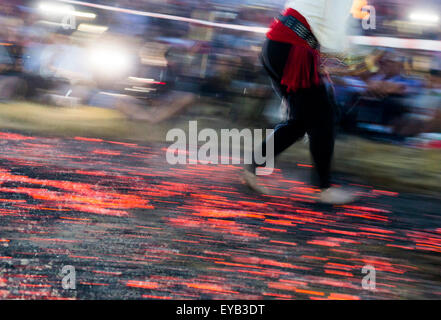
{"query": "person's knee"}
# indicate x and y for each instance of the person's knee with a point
(322, 141)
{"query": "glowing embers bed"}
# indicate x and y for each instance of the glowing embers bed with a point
(134, 227)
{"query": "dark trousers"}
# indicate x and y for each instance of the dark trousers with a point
(310, 111)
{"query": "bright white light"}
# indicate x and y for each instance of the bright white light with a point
(54, 8)
(143, 80)
(84, 27)
(63, 10)
(424, 17)
(87, 15)
(110, 60)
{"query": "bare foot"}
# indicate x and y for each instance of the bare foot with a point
(252, 182)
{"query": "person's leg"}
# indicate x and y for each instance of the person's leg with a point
(273, 58)
(286, 133)
(284, 136)
(320, 123)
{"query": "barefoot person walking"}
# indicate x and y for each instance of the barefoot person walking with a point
(291, 57)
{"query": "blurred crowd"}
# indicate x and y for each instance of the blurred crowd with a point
(150, 68)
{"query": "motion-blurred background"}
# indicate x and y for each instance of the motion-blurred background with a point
(134, 69)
